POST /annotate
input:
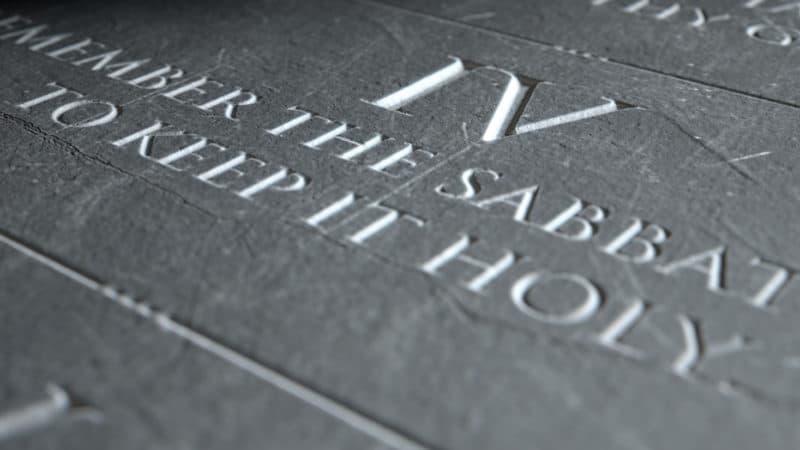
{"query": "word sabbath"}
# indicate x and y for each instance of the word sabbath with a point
(358, 220)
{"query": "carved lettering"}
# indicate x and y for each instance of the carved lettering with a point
(158, 78)
(522, 289)
(710, 263)
(771, 34)
(146, 136)
(388, 216)
(107, 117)
(31, 36)
(94, 116)
(577, 222)
(283, 180)
(611, 336)
(471, 185)
(510, 106)
(639, 243)
(231, 102)
(695, 350)
(765, 296)
(521, 200)
(455, 252)
(58, 92)
(331, 210)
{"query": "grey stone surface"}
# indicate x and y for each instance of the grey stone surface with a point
(175, 314)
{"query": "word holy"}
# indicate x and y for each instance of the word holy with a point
(464, 261)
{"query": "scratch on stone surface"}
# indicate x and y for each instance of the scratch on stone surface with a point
(477, 16)
(732, 230)
(451, 299)
(634, 280)
(257, 12)
(397, 40)
(220, 56)
(174, 327)
(737, 234)
(334, 72)
(74, 150)
(744, 174)
(744, 158)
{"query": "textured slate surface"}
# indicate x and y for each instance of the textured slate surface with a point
(258, 315)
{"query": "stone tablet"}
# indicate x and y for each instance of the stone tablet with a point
(407, 225)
